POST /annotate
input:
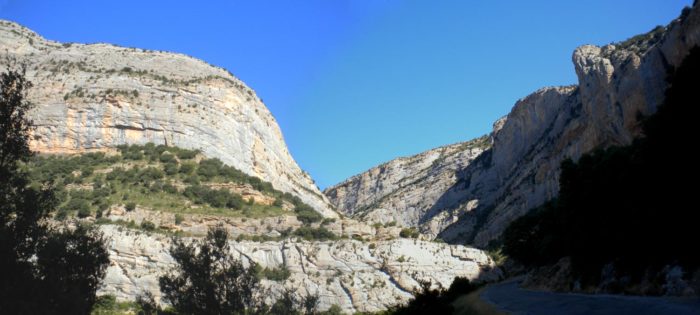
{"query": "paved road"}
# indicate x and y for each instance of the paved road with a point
(508, 297)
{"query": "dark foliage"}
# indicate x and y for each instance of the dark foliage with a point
(289, 304)
(207, 279)
(42, 270)
(306, 214)
(309, 233)
(14, 123)
(409, 232)
(220, 198)
(632, 205)
(72, 264)
(436, 301)
(274, 274)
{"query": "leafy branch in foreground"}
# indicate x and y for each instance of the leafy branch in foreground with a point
(43, 270)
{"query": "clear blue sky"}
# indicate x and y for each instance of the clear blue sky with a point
(356, 83)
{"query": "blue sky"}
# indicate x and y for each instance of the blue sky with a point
(355, 83)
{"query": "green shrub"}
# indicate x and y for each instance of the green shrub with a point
(187, 168)
(306, 214)
(219, 198)
(130, 206)
(169, 188)
(84, 213)
(102, 206)
(108, 305)
(409, 232)
(171, 168)
(184, 154)
(133, 155)
(77, 204)
(209, 168)
(167, 157)
(275, 274)
(179, 218)
(333, 310)
(87, 171)
(148, 225)
(61, 215)
(192, 180)
(100, 193)
(151, 173)
(309, 233)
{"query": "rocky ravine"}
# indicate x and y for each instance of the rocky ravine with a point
(402, 189)
(93, 97)
(617, 84)
(357, 276)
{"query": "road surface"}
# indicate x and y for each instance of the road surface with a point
(509, 298)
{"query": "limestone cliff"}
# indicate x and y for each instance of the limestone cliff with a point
(357, 276)
(618, 84)
(404, 189)
(97, 96)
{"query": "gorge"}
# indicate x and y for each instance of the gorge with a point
(135, 110)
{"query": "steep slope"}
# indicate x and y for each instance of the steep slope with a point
(402, 189)
(618, 84)
(98, 97)
(95, 97)
(141, 196)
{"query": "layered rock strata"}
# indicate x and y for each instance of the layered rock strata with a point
(357, 276)
(98, 96)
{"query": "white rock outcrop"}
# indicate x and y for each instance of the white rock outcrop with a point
(97, 96)
(356, 276)
(407, 190)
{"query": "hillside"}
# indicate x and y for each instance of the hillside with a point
(618, 84)
(141, 195)
(148, 145)
(95, 97)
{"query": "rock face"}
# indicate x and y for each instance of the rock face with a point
(93, 97)
(354, 275)
(618, 84)
(404, 190)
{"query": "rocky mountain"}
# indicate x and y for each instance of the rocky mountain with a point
(400, 190)
(97, 96)
(618, 85)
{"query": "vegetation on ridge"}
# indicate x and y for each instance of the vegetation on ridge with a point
(159, 177)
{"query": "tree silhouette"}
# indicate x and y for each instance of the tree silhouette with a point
(42, 270)
(207, 279)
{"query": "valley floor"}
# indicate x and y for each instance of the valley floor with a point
(510, 298)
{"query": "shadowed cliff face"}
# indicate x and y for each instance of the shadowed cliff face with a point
(617, 85)
(95, 97)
